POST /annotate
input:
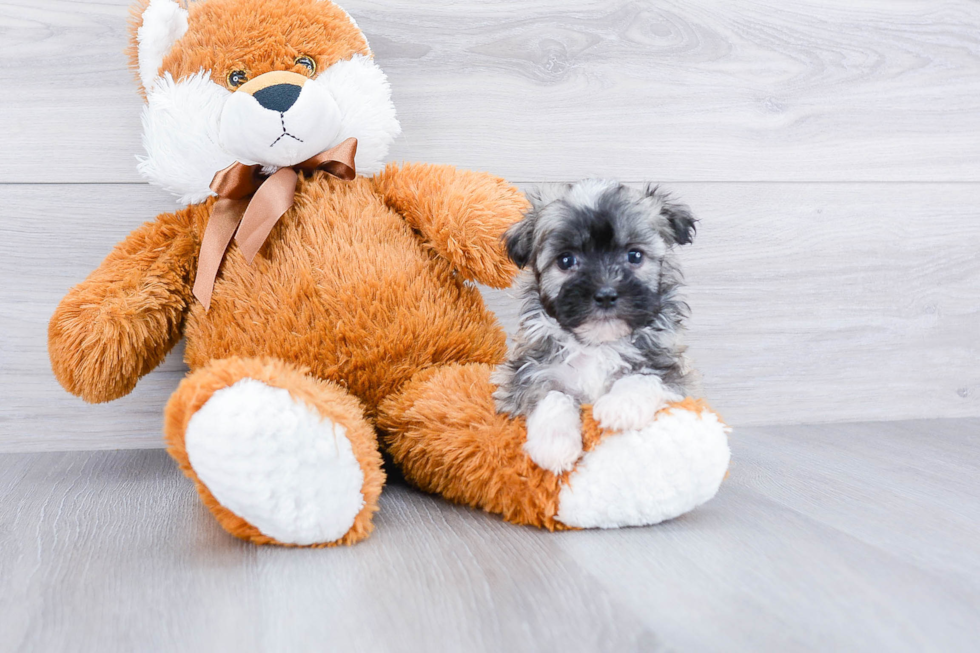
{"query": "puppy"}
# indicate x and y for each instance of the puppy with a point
(601, 315)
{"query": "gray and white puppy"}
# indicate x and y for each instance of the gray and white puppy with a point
(601, 314)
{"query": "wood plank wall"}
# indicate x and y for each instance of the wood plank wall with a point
(831, 149)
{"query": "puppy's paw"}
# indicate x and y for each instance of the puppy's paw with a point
(632, 403)
(554, 433)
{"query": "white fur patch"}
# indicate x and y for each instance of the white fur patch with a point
(180, 135)
(586, 193)
(554, 433)
(632, 402)
(648, 476)
(363, 95)
(585, 369)
(164, 22)
(276, 463)
(182, 126)
(254, 134)
(599, 331)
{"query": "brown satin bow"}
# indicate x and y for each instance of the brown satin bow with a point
(249, 205)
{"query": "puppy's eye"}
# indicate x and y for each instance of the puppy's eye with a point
(634, 256)
(566, 261)
(236, 78)
(306, 62)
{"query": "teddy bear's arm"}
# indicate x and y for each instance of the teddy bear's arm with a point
(461, 214)
(119, 323)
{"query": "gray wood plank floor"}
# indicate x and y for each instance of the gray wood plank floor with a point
(850, 537)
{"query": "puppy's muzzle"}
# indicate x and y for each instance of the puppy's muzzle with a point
(606, 297)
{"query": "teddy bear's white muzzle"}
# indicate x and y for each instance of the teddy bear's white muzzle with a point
(279, 119)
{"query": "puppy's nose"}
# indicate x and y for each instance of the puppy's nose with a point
(278, 97)
(606, 297)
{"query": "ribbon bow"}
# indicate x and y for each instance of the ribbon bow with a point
(249, 205)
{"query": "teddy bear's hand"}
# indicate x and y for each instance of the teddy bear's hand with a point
(119, 324)
(632, 402)
(554, 433)
(461, 214)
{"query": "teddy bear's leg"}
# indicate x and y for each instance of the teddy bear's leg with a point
(278, 456)
(443, 430)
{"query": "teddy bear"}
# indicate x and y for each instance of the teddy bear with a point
(329, 302)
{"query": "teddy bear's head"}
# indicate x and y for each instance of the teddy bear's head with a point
(269, 82)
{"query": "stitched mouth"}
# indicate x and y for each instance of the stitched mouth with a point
(285, 133)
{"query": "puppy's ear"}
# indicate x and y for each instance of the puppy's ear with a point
(681, 223)
(519, 239)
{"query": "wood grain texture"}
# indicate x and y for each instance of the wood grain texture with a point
(52, 237)
(852, 537)
(810, 303)
(539, 90)
(827, 530)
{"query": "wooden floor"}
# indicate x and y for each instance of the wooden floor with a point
(845, 537)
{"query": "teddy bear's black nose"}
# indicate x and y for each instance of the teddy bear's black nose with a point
(278, 97)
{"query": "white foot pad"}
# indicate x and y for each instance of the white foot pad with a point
(276, 463)
(647, 476)
(554, 433)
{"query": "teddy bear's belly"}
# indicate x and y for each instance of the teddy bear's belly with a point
(358, 301)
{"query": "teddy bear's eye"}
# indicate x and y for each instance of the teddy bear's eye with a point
(236, 78)
(306, 62)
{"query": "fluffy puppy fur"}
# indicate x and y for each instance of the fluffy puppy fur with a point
(601, 315)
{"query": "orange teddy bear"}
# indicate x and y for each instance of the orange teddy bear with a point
(323, 310)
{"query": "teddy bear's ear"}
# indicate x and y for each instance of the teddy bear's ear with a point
(154, 28)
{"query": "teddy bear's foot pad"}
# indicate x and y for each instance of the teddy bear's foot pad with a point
(636, 478)
(276, 463)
